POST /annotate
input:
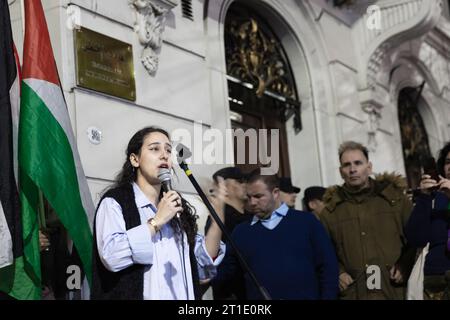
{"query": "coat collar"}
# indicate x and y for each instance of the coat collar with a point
(390, 186)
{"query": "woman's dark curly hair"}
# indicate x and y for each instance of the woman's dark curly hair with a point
(441, 159)
(128, 175)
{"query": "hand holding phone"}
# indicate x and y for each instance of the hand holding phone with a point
(430, 183)
(430, 168)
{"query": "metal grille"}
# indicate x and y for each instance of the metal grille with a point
(186, 9)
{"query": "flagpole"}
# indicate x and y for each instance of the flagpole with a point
(42, 222)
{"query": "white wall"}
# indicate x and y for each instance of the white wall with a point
(190, 85)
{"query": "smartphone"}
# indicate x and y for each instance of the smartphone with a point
(430, 168)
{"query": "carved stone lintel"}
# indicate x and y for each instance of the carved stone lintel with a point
(150, 19)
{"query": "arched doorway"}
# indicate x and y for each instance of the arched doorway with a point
(261, 86)
(415, 145)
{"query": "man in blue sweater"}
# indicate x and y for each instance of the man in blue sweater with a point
(289, 251)
(429, 223)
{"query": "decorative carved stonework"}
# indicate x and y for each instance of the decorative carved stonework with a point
(255, 57)
(401, 21)
(260, 79)
(150, 18)
(374, 112)
(437, 61)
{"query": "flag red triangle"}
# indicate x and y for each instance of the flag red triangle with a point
(38, 59)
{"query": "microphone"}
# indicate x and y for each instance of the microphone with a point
(165, 178)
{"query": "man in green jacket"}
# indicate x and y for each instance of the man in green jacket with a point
(365, 219)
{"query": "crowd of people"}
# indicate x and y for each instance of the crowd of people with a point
(359, 240)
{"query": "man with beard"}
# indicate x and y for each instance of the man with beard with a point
(289, 251)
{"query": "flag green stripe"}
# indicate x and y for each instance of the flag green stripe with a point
(22, 280)
(52, 96)
(45, 156)
(16, 283)
(29, 199)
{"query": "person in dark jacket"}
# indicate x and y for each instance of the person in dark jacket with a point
(235, 213)
(429, 223)
(365, 219)
(288, 192)
(313, 200)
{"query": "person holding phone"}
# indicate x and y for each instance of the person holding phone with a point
(429, 223)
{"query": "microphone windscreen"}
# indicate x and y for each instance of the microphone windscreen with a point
(164, 175)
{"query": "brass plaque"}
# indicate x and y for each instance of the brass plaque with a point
(104, 64)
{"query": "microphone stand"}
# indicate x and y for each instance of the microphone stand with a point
(219, 222)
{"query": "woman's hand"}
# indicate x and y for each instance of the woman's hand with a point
(167, 208)
(214, 234)
(218, 197)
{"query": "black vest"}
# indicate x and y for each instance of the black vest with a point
(127, 284)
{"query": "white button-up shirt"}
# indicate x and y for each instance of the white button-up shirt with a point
(274, 219)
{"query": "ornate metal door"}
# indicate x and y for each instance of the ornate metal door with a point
(261, 86)
(413, 133)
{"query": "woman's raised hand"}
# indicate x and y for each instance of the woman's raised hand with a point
(168, 207)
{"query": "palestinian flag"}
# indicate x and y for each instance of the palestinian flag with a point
(9, 198)
(48, 157)
(11, 244)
